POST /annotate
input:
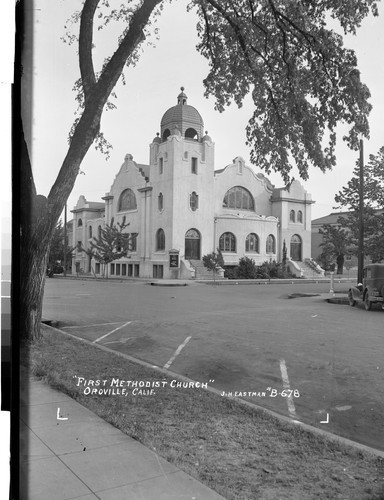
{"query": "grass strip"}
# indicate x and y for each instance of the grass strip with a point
(240, 452)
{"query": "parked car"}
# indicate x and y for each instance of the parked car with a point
(371, 290)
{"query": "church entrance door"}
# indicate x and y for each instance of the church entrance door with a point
(296, 248)
(192, 244)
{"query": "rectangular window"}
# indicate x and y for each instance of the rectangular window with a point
(137, 270)
(161, 166)
(97, 268)
(194, 165)
(118, 269)
(130, 269)
(124, 269)
(112, 269)
(158, 271)
(133, 242)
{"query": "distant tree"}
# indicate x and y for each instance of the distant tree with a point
(303, 82)
(112, 244)
(284, 260)
(214, 262)
(336, 244)
(373, 215)
(56, 249)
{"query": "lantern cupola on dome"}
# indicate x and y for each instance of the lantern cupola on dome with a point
(184, 118)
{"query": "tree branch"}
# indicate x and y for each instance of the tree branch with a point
(85, 47)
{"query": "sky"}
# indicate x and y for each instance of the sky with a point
(152, 87)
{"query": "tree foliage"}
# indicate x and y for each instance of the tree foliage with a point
(336, 244)
(373, 214)
(112, 244)
(302, 79)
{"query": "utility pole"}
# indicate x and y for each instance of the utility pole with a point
(360, 255)
(65, 239)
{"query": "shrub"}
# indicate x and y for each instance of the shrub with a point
(247, 268)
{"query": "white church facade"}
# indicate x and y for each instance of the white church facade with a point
(182, 209)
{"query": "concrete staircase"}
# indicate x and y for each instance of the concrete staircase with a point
(308, 269)
(201, 272)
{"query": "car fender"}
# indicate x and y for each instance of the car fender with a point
(356, 293)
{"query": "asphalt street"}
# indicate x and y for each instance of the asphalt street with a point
(319, 363)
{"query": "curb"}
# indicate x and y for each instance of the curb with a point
(289, 420)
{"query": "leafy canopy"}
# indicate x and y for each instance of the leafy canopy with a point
(302, 79)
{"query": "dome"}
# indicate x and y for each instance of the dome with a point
(184, 117)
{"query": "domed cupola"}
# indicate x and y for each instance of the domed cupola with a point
(183, 117)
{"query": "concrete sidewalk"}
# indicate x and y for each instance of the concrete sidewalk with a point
(67, 452)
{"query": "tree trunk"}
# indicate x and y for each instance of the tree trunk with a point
(340, 264)
(32, 281)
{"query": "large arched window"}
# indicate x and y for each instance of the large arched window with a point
(239, 198)
(292, 216)
(160, 239)
(227, 242)
(127, 201)
(270, 246)
(300, 216)
(252, 243)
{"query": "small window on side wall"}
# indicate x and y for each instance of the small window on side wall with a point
(194, 165)
(161, 165)
(292, 216)
(300, 216)
(160, 202)
(194, 201)
(160, 239)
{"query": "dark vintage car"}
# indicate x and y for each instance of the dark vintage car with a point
(371, 290)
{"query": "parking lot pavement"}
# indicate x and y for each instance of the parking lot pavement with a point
(238, 336)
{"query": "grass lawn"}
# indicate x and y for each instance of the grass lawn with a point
(240, 452)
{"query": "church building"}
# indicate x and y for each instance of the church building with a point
(181, 208)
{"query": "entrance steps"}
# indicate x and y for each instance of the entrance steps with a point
(202, 273)
(307, 269)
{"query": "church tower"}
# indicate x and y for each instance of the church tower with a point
(182, 177)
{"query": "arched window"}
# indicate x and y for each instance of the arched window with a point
(90, 231)
(270, 246)
(166, 134)
(194, 201)
(292, 216)
(127, 200)
(239, 198)
(300, 216)
(227, 242)
(191, 133)
(160, 202)
(160, 239)
(252, 243)
(99, 231)
(79, 223)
